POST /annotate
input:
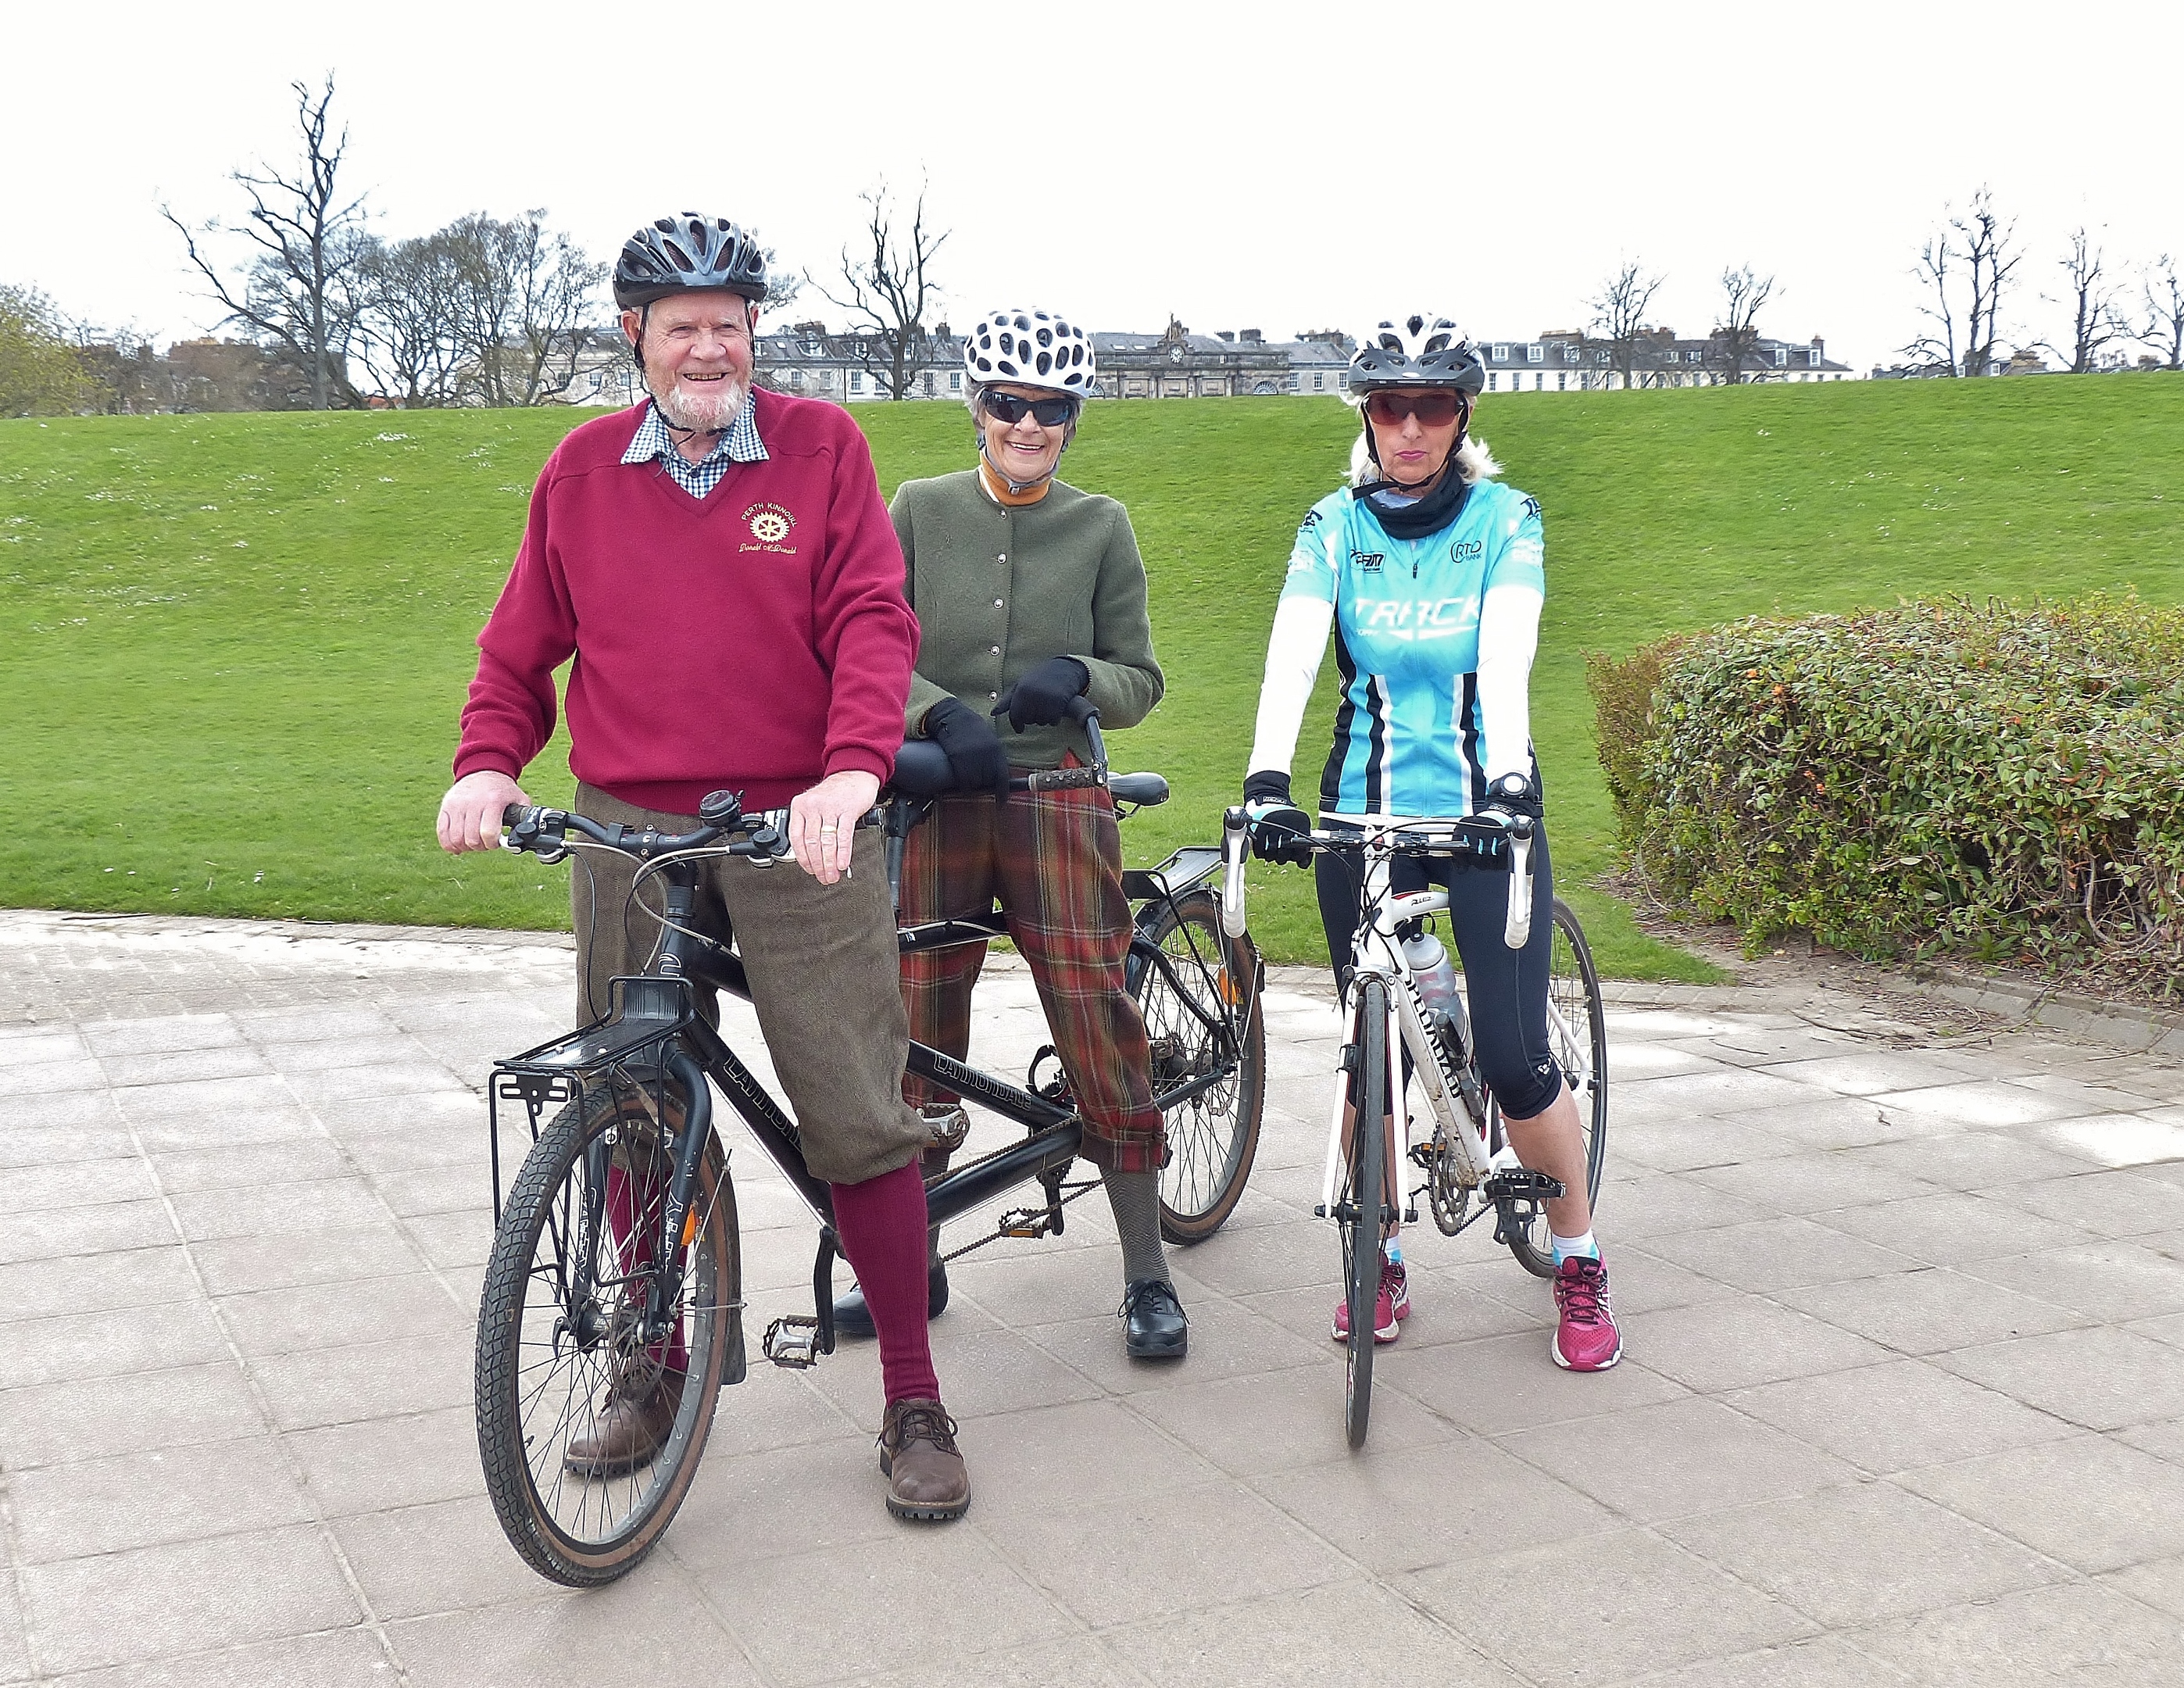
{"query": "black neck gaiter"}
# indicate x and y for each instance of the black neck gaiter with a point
(1429, 514)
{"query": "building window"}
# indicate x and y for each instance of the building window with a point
(1812, 358)
(1296, 381)
(955, 381)
(856, 380)
(1539, 383)
(1561, 383)
(1781, 357)
(1319, 381)
(1533, 354)
(796, 381)
(1493, 381)
(1501, 355)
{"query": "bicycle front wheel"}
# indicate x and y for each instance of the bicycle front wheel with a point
(1199, 997)
(1358, 1211)
(590, 1427)
(1577, 1030)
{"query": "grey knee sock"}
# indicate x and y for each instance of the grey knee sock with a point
(1136, 1198)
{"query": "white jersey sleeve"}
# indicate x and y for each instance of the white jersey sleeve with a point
(1302, 620)
(1508, 637)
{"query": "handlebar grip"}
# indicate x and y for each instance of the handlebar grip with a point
(1517, 928)
(514, 813)
(1082, 708)
(1232, 834)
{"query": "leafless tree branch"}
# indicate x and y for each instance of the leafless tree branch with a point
(1620, 313)
(889, 288)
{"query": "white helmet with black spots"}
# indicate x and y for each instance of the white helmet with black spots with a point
(1031, 348)
(1423, 350)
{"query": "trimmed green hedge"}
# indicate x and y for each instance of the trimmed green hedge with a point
(1996, 781)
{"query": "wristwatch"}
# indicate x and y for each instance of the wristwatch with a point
(1513, 789)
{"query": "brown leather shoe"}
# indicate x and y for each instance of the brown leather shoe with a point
(629, 1432)
(917, 1453)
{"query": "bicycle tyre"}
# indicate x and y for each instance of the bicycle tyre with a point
(579, 1529)
(1363, 1197)
(1577, 1026)
(1213, 1136)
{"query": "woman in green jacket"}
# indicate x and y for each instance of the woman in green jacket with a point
(1029, 594)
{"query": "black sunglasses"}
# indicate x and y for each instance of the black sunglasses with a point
(1435, 410)
(1008, 407)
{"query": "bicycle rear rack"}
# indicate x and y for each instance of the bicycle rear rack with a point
(625, 1047)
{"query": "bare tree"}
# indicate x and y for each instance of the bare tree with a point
(2096, 317)
(891, 286)
(525, 306)
(1965, 267)
(406, 339)
(2164, 312)
(1736, 338)
(1620, 313)
(299, 291)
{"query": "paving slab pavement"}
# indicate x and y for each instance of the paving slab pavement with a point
(1902, 1402)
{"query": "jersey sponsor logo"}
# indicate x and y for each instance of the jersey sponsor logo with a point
(769, 524)
(1531, 508)
(1311, 521)
(1465, 550)
(1414, 619)
(1368, 562)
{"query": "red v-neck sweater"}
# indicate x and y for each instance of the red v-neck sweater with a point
(754, 640)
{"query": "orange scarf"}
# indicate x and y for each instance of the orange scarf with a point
(997, 490)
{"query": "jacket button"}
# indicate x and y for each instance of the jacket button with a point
(997, 603)
(1003, 558)
(997, 650)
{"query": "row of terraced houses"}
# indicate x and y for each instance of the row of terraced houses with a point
(812, 360)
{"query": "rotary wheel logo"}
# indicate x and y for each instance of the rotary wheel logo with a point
(769, 523)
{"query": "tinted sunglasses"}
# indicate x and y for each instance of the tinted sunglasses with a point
(1434, 409)
(1047, 413)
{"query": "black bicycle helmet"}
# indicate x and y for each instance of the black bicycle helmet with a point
(684, 254)
(1423, 350)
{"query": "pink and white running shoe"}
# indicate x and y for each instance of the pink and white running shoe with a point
(1585, 1336)
(1392, 1307)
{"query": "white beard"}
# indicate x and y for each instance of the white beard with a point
(706, 412)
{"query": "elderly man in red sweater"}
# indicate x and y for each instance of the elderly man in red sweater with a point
(721, 565)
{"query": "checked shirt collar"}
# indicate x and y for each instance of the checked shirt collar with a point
(740, 443)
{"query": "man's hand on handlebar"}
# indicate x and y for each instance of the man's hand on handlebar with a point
(1043, 695)
(471, 813)
(823, 822)
(975, 756)
(1275, 820)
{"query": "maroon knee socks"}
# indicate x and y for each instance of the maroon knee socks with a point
(881, 1223)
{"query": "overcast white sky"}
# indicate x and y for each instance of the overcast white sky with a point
(1279, 167)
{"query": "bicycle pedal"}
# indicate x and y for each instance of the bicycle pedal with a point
(1028, 1223)
(792, 1341)
(1521, 1184)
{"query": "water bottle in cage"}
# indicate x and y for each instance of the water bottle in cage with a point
(1434, 975)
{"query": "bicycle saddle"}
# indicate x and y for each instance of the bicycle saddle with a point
(922, 770)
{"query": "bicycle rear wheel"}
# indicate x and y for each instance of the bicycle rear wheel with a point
(1200, 1000)
(1359, 1205)
(1577, 1030)
(558, 1337)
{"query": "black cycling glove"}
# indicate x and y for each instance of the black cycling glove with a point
(973, 749)
(1515, 795)
(1043, 695)
(1276, 821)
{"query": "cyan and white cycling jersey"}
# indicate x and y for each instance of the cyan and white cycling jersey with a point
(1434, 638)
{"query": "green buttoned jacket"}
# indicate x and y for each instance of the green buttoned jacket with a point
(998, 591)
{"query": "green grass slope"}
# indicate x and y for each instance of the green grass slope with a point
(234, 647)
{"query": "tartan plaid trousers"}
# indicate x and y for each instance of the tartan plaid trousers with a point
(1054, 860)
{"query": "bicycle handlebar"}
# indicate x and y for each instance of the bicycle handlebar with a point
(763, 837)
(1484, 841)
(922, 769)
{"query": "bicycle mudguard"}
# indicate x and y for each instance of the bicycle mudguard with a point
(1189, 868)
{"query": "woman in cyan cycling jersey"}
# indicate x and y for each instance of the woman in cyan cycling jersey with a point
(1430, 572)
(1029, 595)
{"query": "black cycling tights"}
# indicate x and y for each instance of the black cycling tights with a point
(1507, 989)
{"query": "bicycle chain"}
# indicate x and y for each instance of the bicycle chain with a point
(1027, 1216)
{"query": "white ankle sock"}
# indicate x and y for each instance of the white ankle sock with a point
(1566, 1246)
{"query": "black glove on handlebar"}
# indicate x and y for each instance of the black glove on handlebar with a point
(1276, 823)
(1042, 696)
(974, 750)
(1515, 795)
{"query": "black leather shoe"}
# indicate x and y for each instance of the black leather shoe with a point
(852, 1318)
(1154, 1326)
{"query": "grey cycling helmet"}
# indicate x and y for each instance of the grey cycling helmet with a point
(1420, 350)
(687, 255)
